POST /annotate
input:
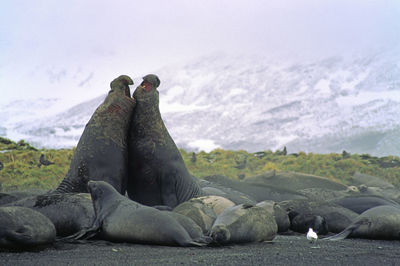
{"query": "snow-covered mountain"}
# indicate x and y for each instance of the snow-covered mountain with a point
(252, 103)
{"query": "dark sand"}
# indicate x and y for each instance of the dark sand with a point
(283, 250)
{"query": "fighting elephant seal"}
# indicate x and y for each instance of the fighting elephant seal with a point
(24, 228)
(102, 151)
(157, 173)
(382, 222)
(120, 219)
(69, 212)
(244, 223)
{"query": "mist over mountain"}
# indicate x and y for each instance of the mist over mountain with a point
(250, 103)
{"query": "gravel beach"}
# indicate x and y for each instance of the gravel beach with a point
(283, 250)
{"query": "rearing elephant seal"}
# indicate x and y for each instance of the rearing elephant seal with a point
(102, 151)
(157, 173)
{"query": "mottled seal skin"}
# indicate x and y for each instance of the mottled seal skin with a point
(24, 228)
(102, 150)
(157, 173)
(120, 219)
(215, 189)
(244, 223)
(280, 215)
(201, 213)
(194, 231)
(69, 212)
(381, 222)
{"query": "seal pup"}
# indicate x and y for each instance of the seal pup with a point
(157, 172)
(244, 223)
(22, 227)
(381, 222)
(336, 217)
(120, 219)
(102, 150)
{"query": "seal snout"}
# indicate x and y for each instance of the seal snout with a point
(150, 82)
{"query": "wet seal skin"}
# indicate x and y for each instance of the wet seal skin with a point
(102, 150)
(157, 173)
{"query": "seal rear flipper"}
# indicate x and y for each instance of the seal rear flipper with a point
(342, 235)
(83, 234)
(204, 240)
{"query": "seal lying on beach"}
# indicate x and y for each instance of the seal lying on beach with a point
(381, 222)
(102, 150)
(120, 219)
(22, 227)
(69, 212)
(157, 173)
(244, 223)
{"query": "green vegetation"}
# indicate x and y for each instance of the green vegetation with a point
(20, 165)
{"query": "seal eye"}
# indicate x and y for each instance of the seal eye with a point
(146, 85)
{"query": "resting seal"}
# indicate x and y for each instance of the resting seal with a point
(120, 219)
(24, 228)
(244, 223)
(157, 173)
(102, 151)
(382, 222)
(69, 212)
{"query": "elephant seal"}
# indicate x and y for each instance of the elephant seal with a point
(360, 204)
(200, 212)
(302, 222)
(24, 228)
(217, 203)
(69, 212)
(258, 192)
(381, 222)
(280, 215)
(12, 196)
(294, 181)
(337, 218)
(194, 231)
(215, 189)
(157, 173)
(242, 224)
(120, 219)
(102, 150)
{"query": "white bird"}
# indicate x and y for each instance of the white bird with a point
(312, 236)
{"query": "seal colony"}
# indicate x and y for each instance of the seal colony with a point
(127, 182)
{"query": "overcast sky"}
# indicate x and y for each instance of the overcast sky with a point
(46, 42)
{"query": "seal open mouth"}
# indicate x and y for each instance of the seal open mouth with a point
(146, 85)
